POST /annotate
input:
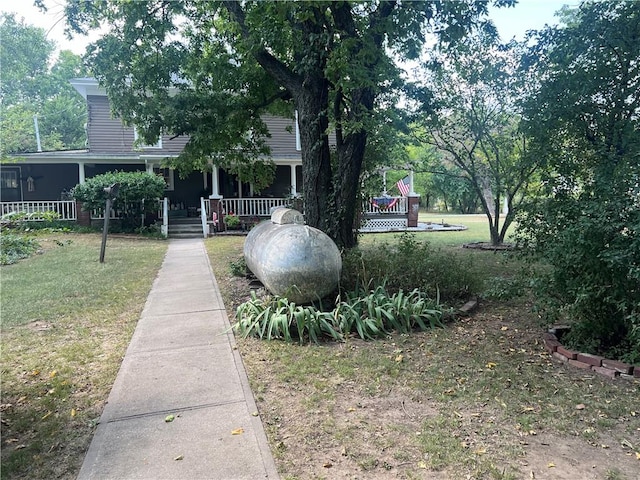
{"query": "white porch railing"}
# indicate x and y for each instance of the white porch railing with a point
(386, 206)
(66, 209)
(164, 230)
(252, 207)
(204, 215)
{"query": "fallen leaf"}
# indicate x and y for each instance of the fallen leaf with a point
(637, 455)
(422, 465)
(255, 414)
(480, 451)
(73, 412)
(399, 358)
(53, 373)
(527, 409)
(580, 406)
(551, 465)
(491, 365)
(169, 418)
(327, 465)
(237, 431)
(504, 329)
(179, 457)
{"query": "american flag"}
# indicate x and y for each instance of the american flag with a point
(403, 186)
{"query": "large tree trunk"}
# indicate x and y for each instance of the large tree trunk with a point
(316, 158)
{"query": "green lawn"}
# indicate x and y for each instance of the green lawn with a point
(66, 323)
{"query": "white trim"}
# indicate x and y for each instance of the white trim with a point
(168, 175)
(298, 141)
(136, 136)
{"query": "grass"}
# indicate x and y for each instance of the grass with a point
(478, 399)
(66, 323)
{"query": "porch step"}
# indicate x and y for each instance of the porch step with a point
(185, 228)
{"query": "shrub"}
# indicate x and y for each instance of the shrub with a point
(138, 195)
(15, 247)
(407, 265)
(231, 220)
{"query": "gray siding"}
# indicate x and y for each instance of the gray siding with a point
(283, 136)
(108, 135)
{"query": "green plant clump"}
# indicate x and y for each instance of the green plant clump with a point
(15, 247)
(410, 264)
(373, 315)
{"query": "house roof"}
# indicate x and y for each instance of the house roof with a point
(87, 86)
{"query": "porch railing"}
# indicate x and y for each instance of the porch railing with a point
(386, 206)
(252, 207)
(65, 209)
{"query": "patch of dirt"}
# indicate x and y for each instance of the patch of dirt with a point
(39, 326)
(552, 457)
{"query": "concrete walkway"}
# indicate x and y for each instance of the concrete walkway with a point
(181, 362)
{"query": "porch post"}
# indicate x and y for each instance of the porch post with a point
(149, 168)
(294, 183)
(83, 217)
(411, 190)
(413, 204)
(214, 182)
(81, 177)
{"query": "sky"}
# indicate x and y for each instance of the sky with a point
(511, 22)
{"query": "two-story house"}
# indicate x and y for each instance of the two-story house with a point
(111, 146)
(41, 181)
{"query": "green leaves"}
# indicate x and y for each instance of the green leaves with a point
(30, 87)
(583, 120)
(374, 315)
(139, 193)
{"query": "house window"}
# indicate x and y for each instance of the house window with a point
(158, 144)
(167, 174)
(9, 179)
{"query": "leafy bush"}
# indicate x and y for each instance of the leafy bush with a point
(15, 247)
(373, 315)
(139, 194)
(407, 265)
(231, 220)
(239, 267)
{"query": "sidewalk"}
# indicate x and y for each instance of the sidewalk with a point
(182, 362)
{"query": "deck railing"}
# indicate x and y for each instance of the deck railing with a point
(386, 206)
(252, 207)
(65, 209)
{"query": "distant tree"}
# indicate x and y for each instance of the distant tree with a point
(31, 88)
(584, 118)
(476, 125)
(210, 70)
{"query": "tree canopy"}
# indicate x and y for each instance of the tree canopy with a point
(476, 124)
(33, 86)
(583, 117)
(210, 69)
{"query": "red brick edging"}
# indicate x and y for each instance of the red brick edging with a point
(586, 361)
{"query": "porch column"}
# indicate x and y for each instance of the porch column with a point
(411, 190)
(294, 183)
(81, 177)
(149, 168)
(413, 205)
(214, 182)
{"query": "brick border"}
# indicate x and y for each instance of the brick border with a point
(586, 361)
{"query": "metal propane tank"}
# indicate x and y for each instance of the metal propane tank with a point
(291, 259)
